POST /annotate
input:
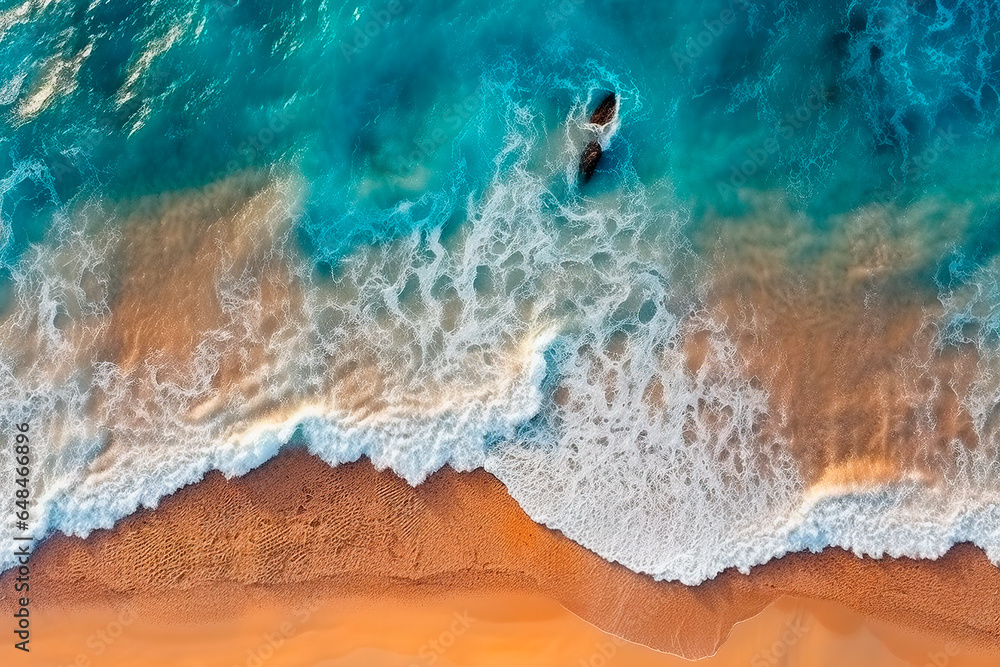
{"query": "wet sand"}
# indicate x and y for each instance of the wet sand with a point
(221, 559)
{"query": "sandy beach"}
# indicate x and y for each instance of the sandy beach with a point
(340, 552)
(459, 630)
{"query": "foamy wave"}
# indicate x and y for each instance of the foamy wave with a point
(130, 397)
(561, 342)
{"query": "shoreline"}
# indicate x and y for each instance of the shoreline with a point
(298, 524)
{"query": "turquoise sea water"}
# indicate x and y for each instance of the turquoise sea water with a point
(407, 172)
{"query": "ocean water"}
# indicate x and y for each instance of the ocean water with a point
(769, 323)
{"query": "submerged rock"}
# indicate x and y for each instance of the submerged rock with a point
(588, 161)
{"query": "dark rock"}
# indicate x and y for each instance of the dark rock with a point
(588, 161)
(605, 111)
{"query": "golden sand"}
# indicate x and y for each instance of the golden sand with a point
(225, 557)
(459, 630)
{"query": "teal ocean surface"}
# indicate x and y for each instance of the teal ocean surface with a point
(770, 322)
